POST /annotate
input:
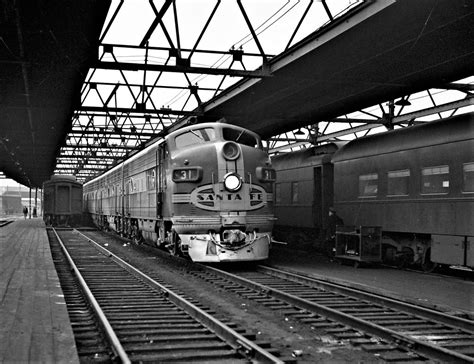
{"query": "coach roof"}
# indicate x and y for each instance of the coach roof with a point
(445, 131)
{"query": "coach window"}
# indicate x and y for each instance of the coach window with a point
(435, 180)
(468, 177)
(197, 136)
(398, 183)
(295, 198)
(368, 185)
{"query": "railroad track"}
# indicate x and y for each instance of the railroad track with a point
(393, 330)
(5, 222)
(142, 320)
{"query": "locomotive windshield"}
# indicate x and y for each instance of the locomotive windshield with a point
(209, 134)
(241, 136)
(196, 136)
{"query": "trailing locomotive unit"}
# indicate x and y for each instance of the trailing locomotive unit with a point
(205, 192)
(62, 201)
(417, 183)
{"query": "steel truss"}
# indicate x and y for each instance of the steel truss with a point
(122, 100)
(137, 90)
(385, 116)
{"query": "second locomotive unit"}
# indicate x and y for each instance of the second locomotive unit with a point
(205, 192)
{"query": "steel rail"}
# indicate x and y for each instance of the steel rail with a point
(240, 343)
(452, 321)
(109, 331)
(407, 342)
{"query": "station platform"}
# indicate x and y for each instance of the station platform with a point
(34, 322)
(444, 293)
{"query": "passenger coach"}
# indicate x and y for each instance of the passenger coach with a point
(417, 183)
(206, 192)
(62, 201)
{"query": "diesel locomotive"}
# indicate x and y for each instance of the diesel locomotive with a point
(417, 183)
(62, 201)
(205, 191)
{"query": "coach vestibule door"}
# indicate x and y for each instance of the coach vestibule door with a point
(323, 196)
(317, 198)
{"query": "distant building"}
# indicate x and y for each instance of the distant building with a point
(14, 196)
(10, 203)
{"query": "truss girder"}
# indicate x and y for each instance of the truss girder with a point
(390, 116)
(166, 83)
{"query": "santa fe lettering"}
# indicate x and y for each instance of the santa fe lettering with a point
(227, 197)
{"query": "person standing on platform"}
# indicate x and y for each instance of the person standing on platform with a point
(333, 221)
(25, 211)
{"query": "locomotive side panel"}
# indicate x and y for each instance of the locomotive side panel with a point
(143, 185)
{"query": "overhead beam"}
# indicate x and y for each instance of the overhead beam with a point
(111, 134)
(123, 66)
(165, 111)
(398, 120)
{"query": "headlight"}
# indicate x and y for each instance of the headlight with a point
(231, 151)
(193, 174)
(232, 182)
(266, 174)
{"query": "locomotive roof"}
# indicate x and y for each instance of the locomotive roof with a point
(444, 131)
(213, 125)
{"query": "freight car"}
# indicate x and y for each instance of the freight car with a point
(62, 201)
(417, 183)
(204, 192)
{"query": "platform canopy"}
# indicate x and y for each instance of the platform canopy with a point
(46, 49)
